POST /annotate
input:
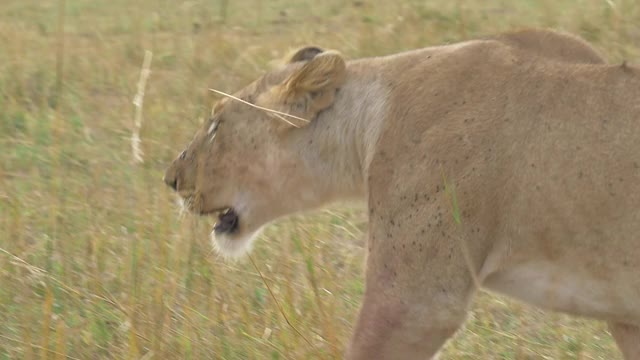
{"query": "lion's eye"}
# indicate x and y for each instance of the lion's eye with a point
(183, 155)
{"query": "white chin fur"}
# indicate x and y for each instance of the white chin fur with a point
(231, 246)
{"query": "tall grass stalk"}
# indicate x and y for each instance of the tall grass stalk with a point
(138, 101)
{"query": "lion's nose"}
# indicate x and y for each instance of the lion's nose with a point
(171, 181)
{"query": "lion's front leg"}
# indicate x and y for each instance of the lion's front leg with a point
(398, 330)
(417, 292)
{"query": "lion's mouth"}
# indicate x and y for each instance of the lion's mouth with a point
(227, 223)
(227, 217)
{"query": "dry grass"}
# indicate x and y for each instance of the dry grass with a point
(95, 262)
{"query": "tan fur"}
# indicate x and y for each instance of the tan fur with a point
(536, 135)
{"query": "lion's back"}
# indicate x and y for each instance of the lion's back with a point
(552, 45)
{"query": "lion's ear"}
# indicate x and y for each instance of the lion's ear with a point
(304, 54)
(312, 88)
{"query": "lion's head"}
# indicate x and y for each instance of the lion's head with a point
(245, 164)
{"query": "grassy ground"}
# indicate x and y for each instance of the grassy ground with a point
(95, 261)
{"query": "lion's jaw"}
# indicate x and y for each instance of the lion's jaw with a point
(233, 245)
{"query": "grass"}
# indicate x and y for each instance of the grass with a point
(95, 261)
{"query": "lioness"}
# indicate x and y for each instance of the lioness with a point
(506, 163)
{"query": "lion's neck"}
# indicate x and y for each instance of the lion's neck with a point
(338, 146)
